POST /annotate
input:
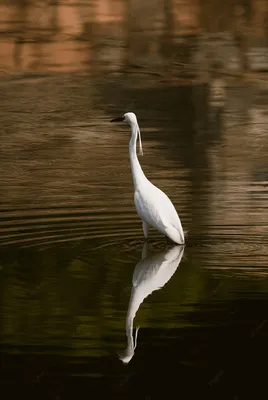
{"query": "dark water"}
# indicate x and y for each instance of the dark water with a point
(75, 274)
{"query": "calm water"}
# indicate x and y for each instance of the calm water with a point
(87, 309)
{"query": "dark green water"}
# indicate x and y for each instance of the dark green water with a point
(74, 272)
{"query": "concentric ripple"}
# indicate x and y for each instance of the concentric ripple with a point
(39, 226)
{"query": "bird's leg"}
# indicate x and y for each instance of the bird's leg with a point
(166, 243)
(145, 228)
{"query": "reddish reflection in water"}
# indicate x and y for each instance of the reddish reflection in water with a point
(171, 36)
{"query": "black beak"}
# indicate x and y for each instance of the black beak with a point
(119, 119)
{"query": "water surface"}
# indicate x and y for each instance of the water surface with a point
(74, 273)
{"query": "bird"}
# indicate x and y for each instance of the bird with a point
(153, 206)
(151, 273)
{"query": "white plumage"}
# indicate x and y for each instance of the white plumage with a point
(153, 206)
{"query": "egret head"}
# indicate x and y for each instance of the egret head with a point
(131, 119)
(128, 117)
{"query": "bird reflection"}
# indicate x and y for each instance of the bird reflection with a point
(151, 273)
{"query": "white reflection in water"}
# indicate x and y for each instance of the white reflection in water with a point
(151, 273)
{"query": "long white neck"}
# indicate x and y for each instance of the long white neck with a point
(137, 172)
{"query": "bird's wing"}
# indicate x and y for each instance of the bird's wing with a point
(154, 207)
(168, 211)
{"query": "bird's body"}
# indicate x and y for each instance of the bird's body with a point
(156, 210)
(153, 206)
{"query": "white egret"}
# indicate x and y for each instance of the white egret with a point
(153, 206)
(151, 273)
